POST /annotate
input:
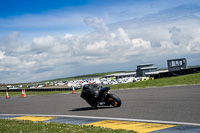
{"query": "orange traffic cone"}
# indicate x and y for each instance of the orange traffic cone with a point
(23, 93)
(73, 90)
(7, 96)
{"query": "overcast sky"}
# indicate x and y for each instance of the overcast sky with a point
(48, 39)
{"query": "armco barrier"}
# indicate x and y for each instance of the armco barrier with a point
(39, 89)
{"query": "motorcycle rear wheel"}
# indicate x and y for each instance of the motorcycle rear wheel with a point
(114, 100)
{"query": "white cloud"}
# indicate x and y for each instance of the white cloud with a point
(68, 36)
(138, 42)
(124, 35)
(96, 23)
(97, 47)
(1, 55)
(194, 45)
(113, 35)
(44, 41)
(107, 48)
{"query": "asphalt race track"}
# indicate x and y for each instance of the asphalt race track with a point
(177, 104)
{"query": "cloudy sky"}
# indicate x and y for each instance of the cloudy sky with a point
(48, 39)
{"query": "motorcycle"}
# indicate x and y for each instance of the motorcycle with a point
(99, 96)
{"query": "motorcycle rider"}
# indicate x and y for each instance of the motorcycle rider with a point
(91, 93)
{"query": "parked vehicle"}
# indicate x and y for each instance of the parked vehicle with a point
(136, 80)
(12, 87)
(39, 86)
(99, 96)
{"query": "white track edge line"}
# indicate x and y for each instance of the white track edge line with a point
(109, 118)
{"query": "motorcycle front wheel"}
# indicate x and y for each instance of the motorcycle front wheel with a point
(114, 100)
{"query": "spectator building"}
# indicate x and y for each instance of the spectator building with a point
(177, 64)
(144, 68)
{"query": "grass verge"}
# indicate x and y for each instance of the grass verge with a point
(171, 81)
(16, 126)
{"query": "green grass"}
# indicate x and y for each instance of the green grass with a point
(16, 126)
(171, 81)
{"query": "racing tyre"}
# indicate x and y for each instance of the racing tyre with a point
(114, 100)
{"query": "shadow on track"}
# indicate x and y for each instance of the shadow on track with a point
(89, 108)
